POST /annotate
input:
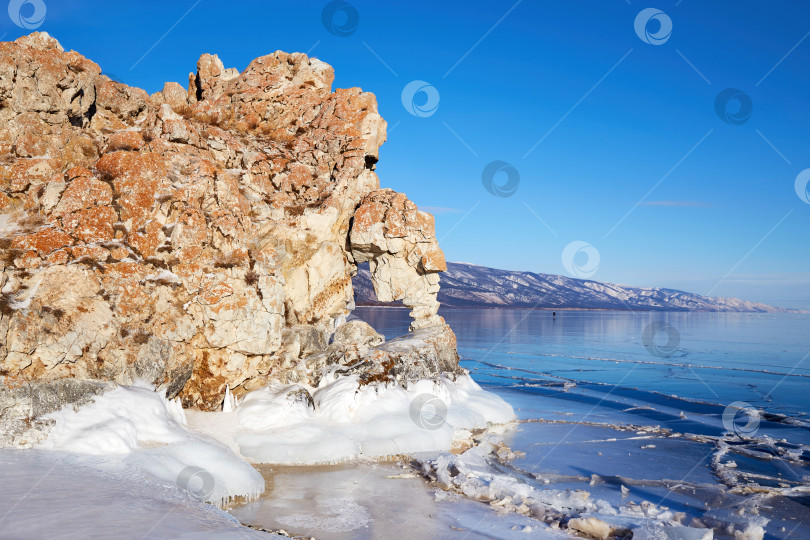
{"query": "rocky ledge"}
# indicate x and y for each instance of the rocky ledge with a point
(197, 239)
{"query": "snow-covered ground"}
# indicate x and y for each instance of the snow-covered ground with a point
(568, 442)
(54, 494)
(133, 452)
(135, 449)
(340, 420)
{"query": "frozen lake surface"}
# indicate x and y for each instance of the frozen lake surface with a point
(637, 419)
(705, 413)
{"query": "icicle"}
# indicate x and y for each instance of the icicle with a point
(229, 403)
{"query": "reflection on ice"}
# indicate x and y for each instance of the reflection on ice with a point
(602, 415)
(375, 500)
(584, 451)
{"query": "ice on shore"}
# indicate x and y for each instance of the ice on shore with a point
(148, 432)
(476, 474)
(135, 431)
(208, 453)
(58, 495)
(480, 473)
(343, 419)
(372, 500)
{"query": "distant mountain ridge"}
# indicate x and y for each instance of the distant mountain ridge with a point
(470, 285)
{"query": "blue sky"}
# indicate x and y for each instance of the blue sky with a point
(616, 141)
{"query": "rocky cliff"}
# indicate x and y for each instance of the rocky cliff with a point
(197, 238)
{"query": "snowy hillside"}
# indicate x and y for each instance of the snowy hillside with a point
(469, 285)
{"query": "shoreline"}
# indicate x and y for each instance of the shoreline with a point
(607, 310)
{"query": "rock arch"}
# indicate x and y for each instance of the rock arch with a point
(399, 243)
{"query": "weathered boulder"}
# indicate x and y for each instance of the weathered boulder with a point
(195, 239)
(419, 355)
(357, 333)
(357, 349)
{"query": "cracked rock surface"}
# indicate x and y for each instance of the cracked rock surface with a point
(197, 238)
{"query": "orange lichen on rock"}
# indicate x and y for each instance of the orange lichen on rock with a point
(186, 234)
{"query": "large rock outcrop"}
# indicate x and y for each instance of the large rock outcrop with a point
(194, 238)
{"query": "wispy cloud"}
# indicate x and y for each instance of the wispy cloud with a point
(439, 209)
(696, 204)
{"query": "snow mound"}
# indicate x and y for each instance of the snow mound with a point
(148, 430)
(343, 419)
